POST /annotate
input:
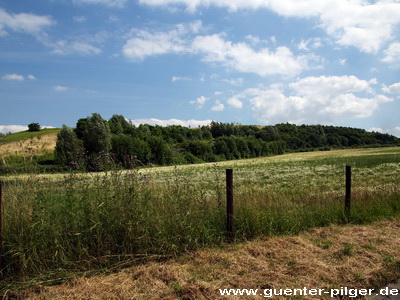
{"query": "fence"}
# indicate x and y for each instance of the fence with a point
(229, 201)
(229, 205)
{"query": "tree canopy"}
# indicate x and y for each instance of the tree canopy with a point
(117, 142)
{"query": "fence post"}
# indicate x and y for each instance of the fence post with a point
(1, 229)
(347, 201)
(229, 204)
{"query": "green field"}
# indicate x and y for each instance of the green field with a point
(77, 222)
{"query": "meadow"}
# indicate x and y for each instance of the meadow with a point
(54, 225)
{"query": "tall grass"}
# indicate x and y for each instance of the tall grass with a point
(87, 221)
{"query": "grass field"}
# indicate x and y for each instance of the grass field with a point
(63, 223)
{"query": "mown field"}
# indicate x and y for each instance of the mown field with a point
(54, 225)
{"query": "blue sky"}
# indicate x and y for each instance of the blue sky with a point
(260, 62)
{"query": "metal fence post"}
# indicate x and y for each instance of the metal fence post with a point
(229, 205)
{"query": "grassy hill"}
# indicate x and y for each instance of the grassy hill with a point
(27, 143)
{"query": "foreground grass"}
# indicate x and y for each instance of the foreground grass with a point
(332, 257)
(78, 222)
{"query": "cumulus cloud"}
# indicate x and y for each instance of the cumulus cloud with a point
(235, 102)
(394, 131)
(392, 89)
(218, 106)
(23, 22)
(199, 102)
(243, 58)
(215, 49)
(13, 77)
(146, 43)
(392, 54)
(362, 24)
(315, 100)
(186, 123)
(12, 128)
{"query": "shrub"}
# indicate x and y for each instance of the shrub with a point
(34, 127)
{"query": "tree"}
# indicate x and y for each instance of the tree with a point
(118, 124)
(160, 151)
(34, 127)
(68, 149)
(96, 135)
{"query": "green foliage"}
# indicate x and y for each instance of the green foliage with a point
(69, 149)
(117, 142)
(33, 127)
(161, 153)
(118, 124)
(96, 135)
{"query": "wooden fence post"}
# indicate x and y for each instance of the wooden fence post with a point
(1, 229)
(347, 201)
(229, 205)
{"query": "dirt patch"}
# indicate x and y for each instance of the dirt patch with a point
(331, 257)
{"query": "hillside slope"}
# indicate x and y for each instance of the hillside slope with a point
(28, 143)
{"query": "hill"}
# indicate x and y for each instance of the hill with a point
(27, 143)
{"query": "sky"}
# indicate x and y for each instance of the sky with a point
(187, 62)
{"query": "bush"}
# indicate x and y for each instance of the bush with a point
(34, 127)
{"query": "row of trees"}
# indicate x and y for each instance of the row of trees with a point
(98, 144)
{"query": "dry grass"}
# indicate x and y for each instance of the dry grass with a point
(34, 146)
(330, 257)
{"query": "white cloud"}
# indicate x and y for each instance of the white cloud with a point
(80, 19)
(315, 100)
(18, 77)
(23, 22)
(235, 102)
(309, 44)
(13, 77)
(12, 128)
(394, 131)
(199, 102)
(60, 88)
(110, 3)
(358, 23)
(177, 78)
(392, 89)
(243, 58)
(64, 47)
(392, 54)
(186, 123)
(238, 81)
(218, 106)
(145, 43)
(215, 49)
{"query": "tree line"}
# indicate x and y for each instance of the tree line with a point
(97, 144)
